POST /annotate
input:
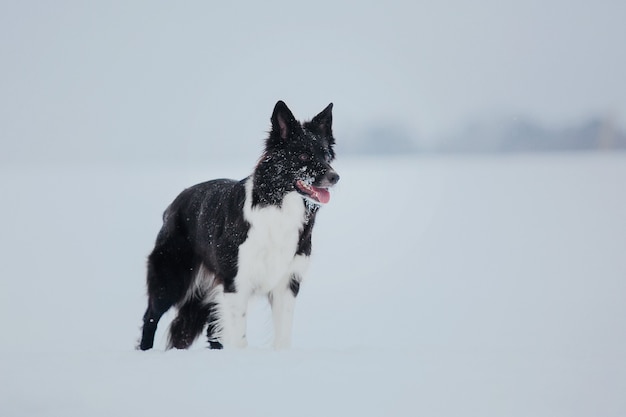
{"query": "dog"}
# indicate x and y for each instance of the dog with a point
(223, 241)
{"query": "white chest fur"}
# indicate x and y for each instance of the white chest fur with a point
(268, 256)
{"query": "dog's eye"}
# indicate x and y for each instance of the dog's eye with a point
(304, 157)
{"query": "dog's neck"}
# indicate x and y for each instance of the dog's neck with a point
(269, 184)
(264, 193)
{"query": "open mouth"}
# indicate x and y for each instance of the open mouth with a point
(321, 195)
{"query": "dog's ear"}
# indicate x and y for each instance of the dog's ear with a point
(283, 122)
(323, 122)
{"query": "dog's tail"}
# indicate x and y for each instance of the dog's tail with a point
(197, 309)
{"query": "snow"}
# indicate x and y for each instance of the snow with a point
(439, 286)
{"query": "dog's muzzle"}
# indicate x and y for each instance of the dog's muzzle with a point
(333, 177)
(319, 192)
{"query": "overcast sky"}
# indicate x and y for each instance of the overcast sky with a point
(147, 80)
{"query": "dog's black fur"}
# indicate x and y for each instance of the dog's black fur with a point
(206, 224)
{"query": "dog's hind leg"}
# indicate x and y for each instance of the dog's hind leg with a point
(150, 321)
(160, 299)
(213, 331)
(170, 271)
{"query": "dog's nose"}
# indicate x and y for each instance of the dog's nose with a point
(333, 177)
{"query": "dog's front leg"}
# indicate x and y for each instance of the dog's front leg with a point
(233, 320)
(283, 300)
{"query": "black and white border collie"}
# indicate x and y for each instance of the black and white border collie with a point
(223, 241)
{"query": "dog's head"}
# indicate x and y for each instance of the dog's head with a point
(297, 156)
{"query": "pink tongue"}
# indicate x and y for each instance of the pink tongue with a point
(321, 194)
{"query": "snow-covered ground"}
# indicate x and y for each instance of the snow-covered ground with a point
(440, 286)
